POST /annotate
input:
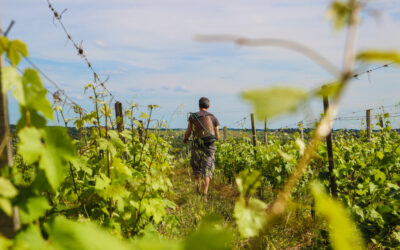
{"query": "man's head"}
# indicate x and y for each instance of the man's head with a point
(204, 103)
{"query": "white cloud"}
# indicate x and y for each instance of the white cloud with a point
(100, 43)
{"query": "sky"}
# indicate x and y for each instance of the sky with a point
(148, 50)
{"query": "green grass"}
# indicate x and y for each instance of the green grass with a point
(295, 230)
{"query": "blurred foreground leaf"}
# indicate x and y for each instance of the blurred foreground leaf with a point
(30, 238)
(210, 235)
(66, 234)
(343, 233)
(248, 182)
(250, 216)
(7, 190)
(379, 56)
(33, 208)
(339, 12)
(275, 101)
(329, 89)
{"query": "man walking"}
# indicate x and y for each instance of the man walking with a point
(203, 126)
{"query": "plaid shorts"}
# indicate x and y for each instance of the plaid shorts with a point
(202, 160)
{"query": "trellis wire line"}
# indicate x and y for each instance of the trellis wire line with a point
(59, 89)
(373, 69)
(58, 92)
(79, 48)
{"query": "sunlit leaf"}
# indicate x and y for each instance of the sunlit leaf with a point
(59, 150)
(328, 90)
(379, 56)
(154, 208)
(30, 145)
(275, 101)
(4, 242)
(36, 120)
(6, 206)
(66, 234)
(35, 93)
(28, 90)
(250, 216)
(52, 146)
(7, 189)
(15, 49)
(32, 208)
(10, 80)
(248, 182)
(343, 233)
(144, 116)
(210, 235)
(30, 238)
(4, 43)
(339, 12)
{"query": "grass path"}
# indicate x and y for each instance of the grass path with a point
(191, 207)
(295, 230)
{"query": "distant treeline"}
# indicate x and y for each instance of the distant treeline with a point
(74, 133)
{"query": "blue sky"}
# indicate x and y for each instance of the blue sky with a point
(147, 47)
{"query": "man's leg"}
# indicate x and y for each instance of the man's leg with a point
(206, 184)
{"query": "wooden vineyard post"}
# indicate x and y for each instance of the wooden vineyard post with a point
(381, 121)
(141, 131)
(253, 131)
(6, 157)
(368, 118)
(119, 117)
(225, 129)
(233, 169)
(302, 130)
(8, 226)
(330, 154)
(265, 132)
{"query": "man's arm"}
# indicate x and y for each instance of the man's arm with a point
(216, 129)
(188, 132)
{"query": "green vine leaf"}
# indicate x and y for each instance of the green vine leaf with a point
(11, 80)
(7, 191)
(56, 155)
(6, 206)
(30, 238)
(4, 42)
(35, 93)
(275, 101)
(45, 145)
(343, 233)
(248, 182)
(28, 90)
(250, 216)
(16, 48)
(33, 208)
